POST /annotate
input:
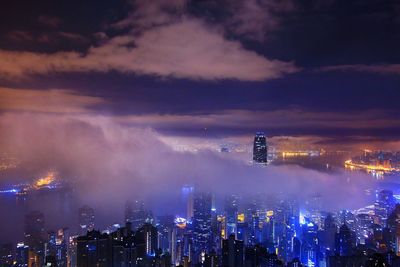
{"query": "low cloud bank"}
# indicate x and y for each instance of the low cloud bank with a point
(119, 162)
(111, 163)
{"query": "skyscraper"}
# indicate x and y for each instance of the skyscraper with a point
(231, 211)
(344, 241)
(363, 228)
(57, 246)
(232, 252)
(202, 222)
(384, 205)
(328, 234)
(165, 226)
(94, 249)
(309, 244)
(6, 254)
(135, 213)
(34, 232)
(72, 251)
(128, 211)
(187, 198)
(146, 240)
(86, 219)
(22, 255)
(260, 148)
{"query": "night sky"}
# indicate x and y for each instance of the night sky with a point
(291, 68)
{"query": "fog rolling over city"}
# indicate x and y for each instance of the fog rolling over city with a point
(110, 163)
(216, 133)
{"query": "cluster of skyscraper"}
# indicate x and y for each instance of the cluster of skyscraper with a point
(248, 231)
(40, 248)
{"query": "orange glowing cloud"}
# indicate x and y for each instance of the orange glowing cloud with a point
(50, 101)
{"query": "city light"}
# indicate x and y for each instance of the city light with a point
(180, 222)
(290, 154)
(352, 165)
(241, 217)
(302, 219)
(46, 180)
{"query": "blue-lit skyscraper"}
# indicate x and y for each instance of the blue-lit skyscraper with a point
(260, 148)
(328, 234)
(187, 198)
(309, 245)
(384, 205)
(202, 223)
(22, 255)
(146, 240)
(231, 211)
(364, 224)
(344, 241)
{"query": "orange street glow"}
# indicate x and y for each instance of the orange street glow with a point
(45, 181)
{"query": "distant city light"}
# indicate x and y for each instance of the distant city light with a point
(180, 222)
(302, 219)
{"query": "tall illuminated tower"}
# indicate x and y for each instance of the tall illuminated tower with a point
(187, 197)
(86, 219)
(22, 255)
(231, 212)
(202, 223)
(260, 148)
(146, 240)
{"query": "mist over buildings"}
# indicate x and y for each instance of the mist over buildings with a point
(110, 163)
